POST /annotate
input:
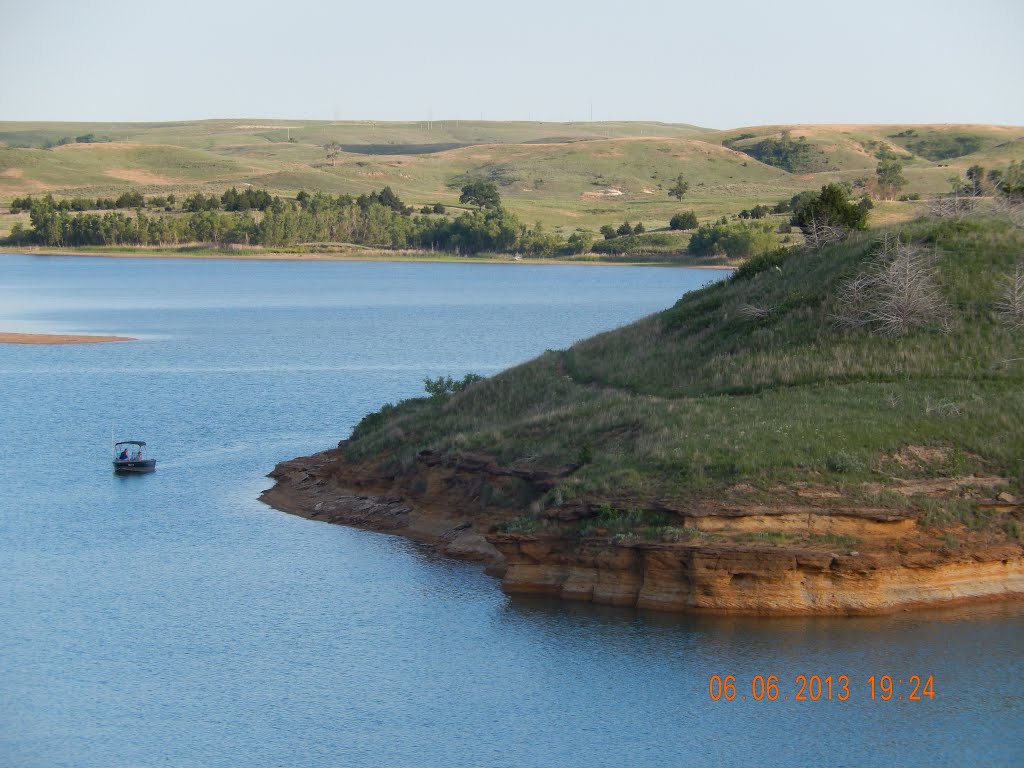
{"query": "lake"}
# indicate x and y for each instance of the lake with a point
(173, 620)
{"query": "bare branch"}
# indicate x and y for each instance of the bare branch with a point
(819, 233)
(897, 293)
(758, 313)
(1011, 206)
(1010, 307)
(951, 206)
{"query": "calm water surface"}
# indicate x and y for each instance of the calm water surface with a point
(173, 620)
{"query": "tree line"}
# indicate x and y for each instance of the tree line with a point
(253, 217)
(130, 199)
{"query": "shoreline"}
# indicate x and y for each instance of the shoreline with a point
(370, 255)
(58, 338)
(729, 578)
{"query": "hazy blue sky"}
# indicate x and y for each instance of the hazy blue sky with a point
(717, 64)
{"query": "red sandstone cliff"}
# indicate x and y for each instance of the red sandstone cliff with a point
(808, 566)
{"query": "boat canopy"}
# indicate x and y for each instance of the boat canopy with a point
(139, 443)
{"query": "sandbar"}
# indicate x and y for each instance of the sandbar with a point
(57, 338)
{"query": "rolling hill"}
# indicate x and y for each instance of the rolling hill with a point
(565, 175)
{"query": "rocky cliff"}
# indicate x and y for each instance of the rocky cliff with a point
(802, 550)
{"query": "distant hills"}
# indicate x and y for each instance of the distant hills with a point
(566, 175)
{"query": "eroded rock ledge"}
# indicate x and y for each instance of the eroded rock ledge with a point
(443, 502)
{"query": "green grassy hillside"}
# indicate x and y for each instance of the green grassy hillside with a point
(566, 175)
(753, 382)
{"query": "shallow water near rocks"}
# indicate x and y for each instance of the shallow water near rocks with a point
(172, 619)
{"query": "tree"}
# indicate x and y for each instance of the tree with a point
(333, 149)
(757, 212)
(639, 228)
(831, 207)
(624, 229)
(898, 292)
(608, 231)
(890, 178)
(579, 243)
(684, 221)
(481, 193)
(976, 176)
(794, 156)
(734, 240)
(680, 188)
(195, 203)
(1010, 307)
(131, 199)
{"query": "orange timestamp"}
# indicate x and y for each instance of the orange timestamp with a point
(822, 688)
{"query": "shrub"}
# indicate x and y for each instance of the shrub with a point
(831, 207)
(578, 243)
(843, 462)
(734, 240)
(759, 264)
(442, 386)
(683, 221)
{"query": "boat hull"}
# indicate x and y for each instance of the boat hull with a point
(143, 465)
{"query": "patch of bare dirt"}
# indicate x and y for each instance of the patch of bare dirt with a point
(602, 193)
(140, 176)
(941, 487)
(915, 456)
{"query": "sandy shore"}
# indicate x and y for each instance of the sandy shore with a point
(57, 338)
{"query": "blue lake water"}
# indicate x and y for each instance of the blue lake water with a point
(174, 620)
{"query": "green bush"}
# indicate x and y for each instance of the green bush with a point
(759, 264)
(733, 240)
(443, 386)
(683, 221)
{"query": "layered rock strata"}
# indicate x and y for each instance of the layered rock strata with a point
(894, 564)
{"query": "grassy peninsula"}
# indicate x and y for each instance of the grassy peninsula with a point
(855, 407)
(756, 380)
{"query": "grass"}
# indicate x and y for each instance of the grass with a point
(695, 399)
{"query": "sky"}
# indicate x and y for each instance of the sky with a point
(714, 64)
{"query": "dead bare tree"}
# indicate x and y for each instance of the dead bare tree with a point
(332, 149)
(1011, 207)
(952, 206)
(1010, 307)
(755, 312)
(898, 292)
(818, 233)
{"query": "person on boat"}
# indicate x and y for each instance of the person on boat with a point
(123, 456)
